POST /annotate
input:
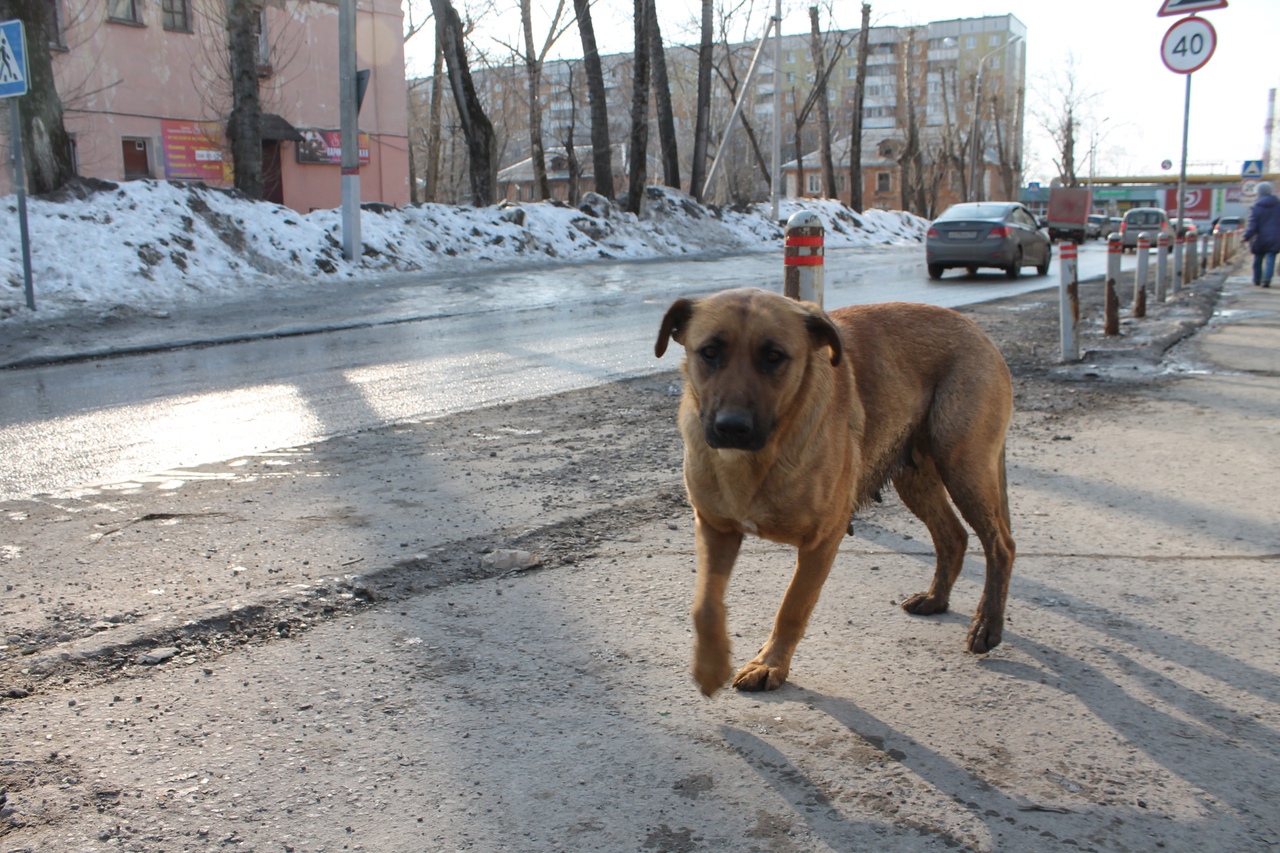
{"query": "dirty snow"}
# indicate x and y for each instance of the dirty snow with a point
(157, 244)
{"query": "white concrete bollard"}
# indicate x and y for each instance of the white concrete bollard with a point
(1162, 265)
(1069, 303)
(1140, 276)
(803, 257)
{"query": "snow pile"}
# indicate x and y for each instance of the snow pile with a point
(156, 243)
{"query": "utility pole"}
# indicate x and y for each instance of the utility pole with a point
(776, 190)
(352, 247)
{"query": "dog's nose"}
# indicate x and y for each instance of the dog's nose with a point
(733, 426)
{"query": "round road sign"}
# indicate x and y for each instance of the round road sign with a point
(1166, 164)
(1188, 45)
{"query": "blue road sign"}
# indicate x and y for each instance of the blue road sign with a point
(1251, 169)
(13, 60)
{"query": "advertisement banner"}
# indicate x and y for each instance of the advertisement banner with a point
(324, 147)
(1197, 203)
(193, 151)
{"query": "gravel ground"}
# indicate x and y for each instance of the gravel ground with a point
(341, 669)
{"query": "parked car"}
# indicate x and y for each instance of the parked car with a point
(1182, 226)
(1151, 220)
(1114, 224)
(1000, 234)
(1096, 226)
(1223, 224)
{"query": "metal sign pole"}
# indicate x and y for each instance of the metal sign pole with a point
(1179, 245)
(20, 188)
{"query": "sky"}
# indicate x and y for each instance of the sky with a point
(145, 258)
(1136, 106)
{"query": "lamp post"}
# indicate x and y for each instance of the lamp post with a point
(977, 106)
(1093, 152)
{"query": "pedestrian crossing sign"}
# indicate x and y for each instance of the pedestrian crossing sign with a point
(1251, 169)
(13, 60)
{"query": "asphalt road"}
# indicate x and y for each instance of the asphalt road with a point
(412, 348)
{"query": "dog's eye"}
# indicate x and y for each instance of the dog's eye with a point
(709, 353)
(774, 356)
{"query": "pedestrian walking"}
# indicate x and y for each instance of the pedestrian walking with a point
(1263, 233)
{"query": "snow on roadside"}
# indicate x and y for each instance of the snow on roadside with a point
(155, 244)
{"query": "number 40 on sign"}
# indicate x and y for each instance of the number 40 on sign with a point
(1188, 45)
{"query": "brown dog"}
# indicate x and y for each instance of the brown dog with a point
(793, 419)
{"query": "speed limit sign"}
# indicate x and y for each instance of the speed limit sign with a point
(1188, 45)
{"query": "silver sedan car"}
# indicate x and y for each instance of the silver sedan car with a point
(1000, 234)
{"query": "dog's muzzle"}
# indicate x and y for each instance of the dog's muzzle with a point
(735, 429)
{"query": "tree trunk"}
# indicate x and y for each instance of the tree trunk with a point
(800, 116)
(702, 118)
(46, 147)
(244, 126)
(533, 69)
(477, 129)
(637, 173)
(855, 130)
(601, 151)
(824, 113)
(433, 131)
(667, 143)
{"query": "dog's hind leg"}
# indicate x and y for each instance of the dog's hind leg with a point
(921, 489)
(769, 668)
(979, 489)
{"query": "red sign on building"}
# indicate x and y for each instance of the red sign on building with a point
(324, 147)
(1197, 204)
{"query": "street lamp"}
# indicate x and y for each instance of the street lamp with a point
(977, 107)
(1093, 150)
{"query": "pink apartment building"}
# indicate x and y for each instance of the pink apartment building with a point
(146, 93)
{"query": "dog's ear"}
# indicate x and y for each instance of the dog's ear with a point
(673, 324)
(823, 331)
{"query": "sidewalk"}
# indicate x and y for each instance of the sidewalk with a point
(1134, 705)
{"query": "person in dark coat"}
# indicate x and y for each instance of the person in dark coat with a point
(1263, 233)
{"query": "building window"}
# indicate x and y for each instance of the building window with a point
(57, 34)
(175, 15)
(851, 72)
(814, 182)
(791, 77)
(123, 11)
(995, 63)
(264, 46)
(884, 182)
(970, 42)
(791, 56)
(993, 40)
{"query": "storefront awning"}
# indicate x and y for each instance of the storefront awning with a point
(275, 127)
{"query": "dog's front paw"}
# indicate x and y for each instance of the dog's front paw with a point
(985, 634)
(924, 604)
(757, 676)
(711, 666)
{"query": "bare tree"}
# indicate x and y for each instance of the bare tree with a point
(433, 132)
(568, 130)
(601, 150)
(911, 160)
(824, 113)
(46, 147)
(859, 98)
(668, 147)
(637, 171)
(533, 59)
(1064, 104)
(476, 125)
(702, 112)
(244, 126)
(727, 72)
(823, 63)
